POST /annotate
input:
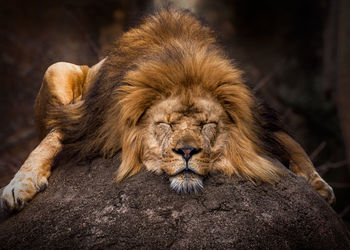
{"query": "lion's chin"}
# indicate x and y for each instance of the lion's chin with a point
(186, 182)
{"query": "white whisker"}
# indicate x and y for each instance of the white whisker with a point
(186, 185)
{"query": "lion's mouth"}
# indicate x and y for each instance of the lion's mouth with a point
(186, 169)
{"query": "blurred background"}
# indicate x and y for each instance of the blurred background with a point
(296, 55)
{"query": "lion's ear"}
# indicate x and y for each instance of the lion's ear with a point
(131, 152)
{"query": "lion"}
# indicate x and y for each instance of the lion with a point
(172, 102)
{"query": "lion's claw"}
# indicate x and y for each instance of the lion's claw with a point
(20, 190)
(322, 187)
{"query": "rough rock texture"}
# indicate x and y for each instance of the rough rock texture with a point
(83, 208)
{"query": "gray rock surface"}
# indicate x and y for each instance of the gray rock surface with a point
(84, 208)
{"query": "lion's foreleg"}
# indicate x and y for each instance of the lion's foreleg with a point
(63, 83)
(32, 176)
(301, 165)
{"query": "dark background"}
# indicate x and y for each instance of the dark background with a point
(295, 54)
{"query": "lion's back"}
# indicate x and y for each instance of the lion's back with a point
(156, 30)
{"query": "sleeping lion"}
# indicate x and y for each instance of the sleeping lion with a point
(169, 98)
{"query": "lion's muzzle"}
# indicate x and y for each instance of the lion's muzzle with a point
(186, 179)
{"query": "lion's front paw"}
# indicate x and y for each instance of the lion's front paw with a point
(21, 189)
(322, 187)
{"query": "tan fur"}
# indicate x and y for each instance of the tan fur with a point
(165, 93)
(63, 84)
(32, 176)
(301, 165)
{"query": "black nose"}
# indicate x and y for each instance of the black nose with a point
(187, 151)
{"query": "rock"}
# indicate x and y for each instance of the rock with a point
(84, 208)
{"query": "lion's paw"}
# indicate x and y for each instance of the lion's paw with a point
(322, 187)
(22, 188)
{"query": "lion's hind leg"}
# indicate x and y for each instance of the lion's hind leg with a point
(301, 165)
(63, 84)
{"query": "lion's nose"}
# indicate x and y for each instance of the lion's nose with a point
(187, 152)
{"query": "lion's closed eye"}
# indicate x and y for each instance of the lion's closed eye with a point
(163, 129)
(209, 129)
(209, 125)
(203, 124)
(164, 125)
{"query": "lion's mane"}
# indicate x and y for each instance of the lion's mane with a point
(170, 53)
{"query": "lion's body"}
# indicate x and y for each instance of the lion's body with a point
(168, 97)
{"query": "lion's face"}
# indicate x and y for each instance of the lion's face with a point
(184, 139)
